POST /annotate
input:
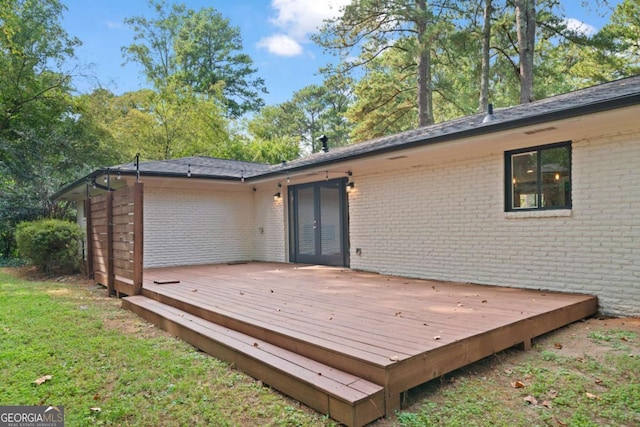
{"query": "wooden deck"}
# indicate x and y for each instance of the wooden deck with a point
(371, 336)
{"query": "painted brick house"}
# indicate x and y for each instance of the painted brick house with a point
(543, 195)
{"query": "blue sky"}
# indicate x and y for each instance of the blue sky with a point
(275, 34)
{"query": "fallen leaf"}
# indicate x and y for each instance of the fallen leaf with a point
(558, 345)
(531, 400)
(255, 344)
(580, 359)
(96, 396)
(553, 394)
(560, 423)
(517, 384)
(460, 304)
(194, 290)
(394, 358)
(625, 339)
(437, 337)
(598, 381)
(592, 396)
(508, 371)
(43, 379)
(546, 404)
(484, 301)
(95, 409)
(241, 293)
(425, 324)
(398, 313)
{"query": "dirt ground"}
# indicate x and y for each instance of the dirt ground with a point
(573, 341)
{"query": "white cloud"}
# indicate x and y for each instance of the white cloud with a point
(580, 27)
(302, 17)
(297, 19)
(112, 25)
(281, 45)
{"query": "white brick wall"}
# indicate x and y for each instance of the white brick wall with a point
(270, 227)
(446, 221)
(188, 227)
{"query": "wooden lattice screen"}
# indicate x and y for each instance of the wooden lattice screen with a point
(115, 242)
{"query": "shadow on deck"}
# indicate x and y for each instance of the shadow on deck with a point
(344, 342)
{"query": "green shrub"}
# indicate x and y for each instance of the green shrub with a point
(50, 244)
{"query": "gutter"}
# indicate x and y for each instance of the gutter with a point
(481, 129)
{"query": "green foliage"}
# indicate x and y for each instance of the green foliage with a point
(314, 110)
(11, 262)
(42, 142)
(381, 42)
(52, 245)
(199, 50)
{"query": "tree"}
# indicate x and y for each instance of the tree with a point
(486, 55)
(526, 29)
(158, 125)
(200, 50)
(313, 111)
(385, 98)
(376, 26)
(615, 51)
(42, 142)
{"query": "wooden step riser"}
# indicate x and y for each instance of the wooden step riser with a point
(362, 369)
(362, 413)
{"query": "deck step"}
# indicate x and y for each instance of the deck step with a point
(346, 398)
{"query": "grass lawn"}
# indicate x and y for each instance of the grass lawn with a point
(131, 373)
(109, 367)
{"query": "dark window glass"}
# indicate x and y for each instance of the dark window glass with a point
(538, 178)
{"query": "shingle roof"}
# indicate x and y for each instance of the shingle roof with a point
(606, 96)
(602, 97)
(198, 165)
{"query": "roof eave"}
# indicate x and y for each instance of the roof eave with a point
(482, 129)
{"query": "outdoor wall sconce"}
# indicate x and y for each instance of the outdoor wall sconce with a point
(350, 187)
(278, 194)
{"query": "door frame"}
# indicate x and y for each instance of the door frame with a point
(341, 260)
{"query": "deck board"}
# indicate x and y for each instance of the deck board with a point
(392, 331)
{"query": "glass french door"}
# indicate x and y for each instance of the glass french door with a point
(318, 223)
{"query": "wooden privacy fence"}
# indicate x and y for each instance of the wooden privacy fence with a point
(115, 239)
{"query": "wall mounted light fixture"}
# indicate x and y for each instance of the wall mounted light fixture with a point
(278, 194)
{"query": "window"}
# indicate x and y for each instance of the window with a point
(538, 178)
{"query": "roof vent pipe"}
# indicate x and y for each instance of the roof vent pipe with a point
(489, 117)
(325, 145)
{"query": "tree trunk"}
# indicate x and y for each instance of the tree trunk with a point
(526, 23)
(425, 95)
(486, 47)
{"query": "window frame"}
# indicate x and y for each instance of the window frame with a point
(508, 177)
